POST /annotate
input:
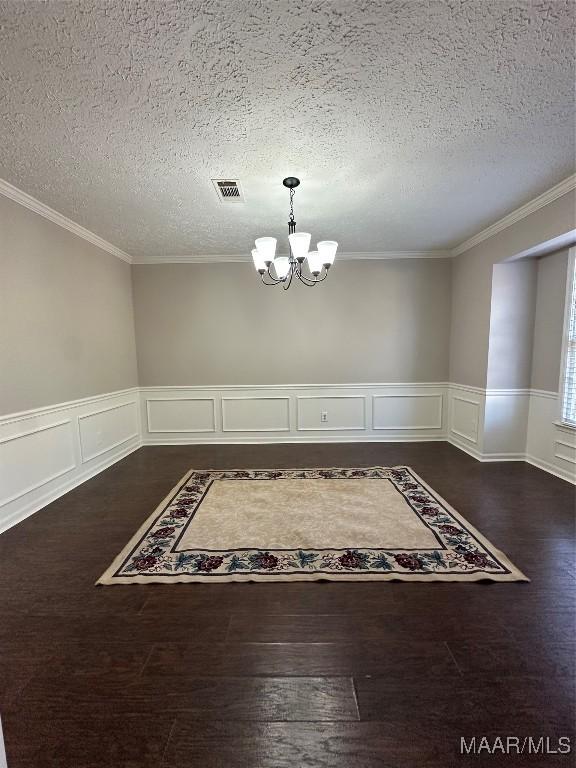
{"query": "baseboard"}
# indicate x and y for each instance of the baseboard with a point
(551, 469)
(502, 457)
(469, 449)
(276, 440)
(486, 457)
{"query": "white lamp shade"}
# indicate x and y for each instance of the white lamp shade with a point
(299, 243)
(266, 247)
(282, 266)
(327, 251)
(314, 262)
(258, 260)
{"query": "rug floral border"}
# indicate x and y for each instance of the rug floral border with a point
(463, 554)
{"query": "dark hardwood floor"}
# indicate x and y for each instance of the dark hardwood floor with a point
(301, 675)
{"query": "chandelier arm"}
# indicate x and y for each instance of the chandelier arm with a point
(316, 280)
(274, 280)
(304, 279)
(310, 281)
(321, 279)
(288, 280)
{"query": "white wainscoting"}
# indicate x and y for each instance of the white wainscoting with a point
(512, 425)
(549, 445)
(103, 430)
(255, 413)
(186, 414)
(293, 413)
(490, 425)
(466, 418)
(414, 411)
(343, 413)
(506, 423)
(565, 451)
(46, 452)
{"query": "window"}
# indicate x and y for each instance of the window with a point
(568, 415)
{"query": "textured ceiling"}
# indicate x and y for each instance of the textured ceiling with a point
(412, 124)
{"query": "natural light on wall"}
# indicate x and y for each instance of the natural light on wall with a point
(569, 383)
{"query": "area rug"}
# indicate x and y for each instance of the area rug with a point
(369, 524)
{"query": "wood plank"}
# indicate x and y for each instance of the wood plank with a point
(204, 698)
(306, 745)
(100, 741)
(396, 660)
(394, 626)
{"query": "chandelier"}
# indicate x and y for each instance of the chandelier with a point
(280, 270)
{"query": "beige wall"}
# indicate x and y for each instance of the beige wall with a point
(512, 325)
(549, 321)
(371, 321)
(66, 315)
(472, 285)
(67, 321)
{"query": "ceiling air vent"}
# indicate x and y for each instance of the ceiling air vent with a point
(228, 190)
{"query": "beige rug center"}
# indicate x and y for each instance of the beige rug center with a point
(305, 514)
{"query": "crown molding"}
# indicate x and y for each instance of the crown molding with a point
(566, 240)
(245, 258)
(520, 213)
(23, 198)
(18, 196)
(383, 255)
(193, 259)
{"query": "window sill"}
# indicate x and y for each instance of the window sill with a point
(565, 427)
